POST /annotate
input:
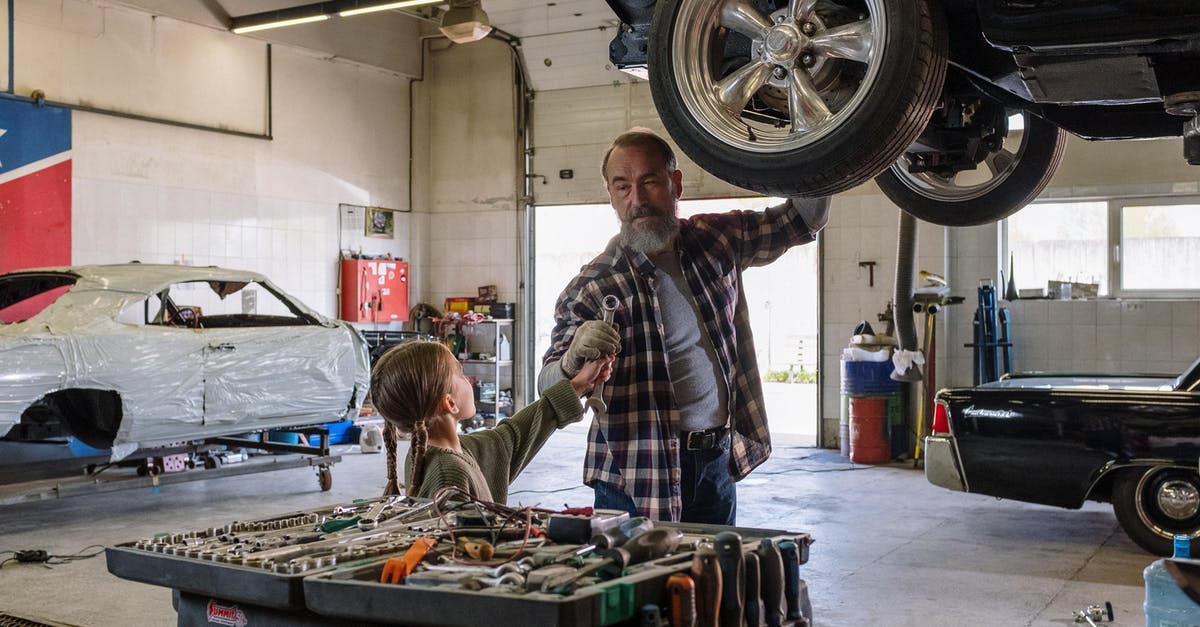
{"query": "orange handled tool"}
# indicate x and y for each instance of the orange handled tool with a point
(397, 569)
(706, 573)
(683, 600)
(480, 550)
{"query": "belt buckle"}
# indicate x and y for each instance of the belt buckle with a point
(701, 440)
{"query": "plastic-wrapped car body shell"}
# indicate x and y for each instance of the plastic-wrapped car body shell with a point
(178, 383)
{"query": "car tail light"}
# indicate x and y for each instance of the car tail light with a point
(941, 419)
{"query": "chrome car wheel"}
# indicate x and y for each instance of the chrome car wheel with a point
(805, 97)
(1017, 160)
(1155, 504)
(800, 93)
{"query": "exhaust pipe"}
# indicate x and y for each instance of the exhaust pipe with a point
(906, 327)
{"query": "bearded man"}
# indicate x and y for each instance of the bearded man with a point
(685, 417)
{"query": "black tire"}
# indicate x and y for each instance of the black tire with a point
(1156, 503)
(1029, 168)
(877, 105)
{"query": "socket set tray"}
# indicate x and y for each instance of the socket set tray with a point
(456, 561)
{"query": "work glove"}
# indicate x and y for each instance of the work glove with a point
(814, 211)
(594, 339)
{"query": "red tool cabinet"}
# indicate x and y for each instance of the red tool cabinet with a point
(374, 290)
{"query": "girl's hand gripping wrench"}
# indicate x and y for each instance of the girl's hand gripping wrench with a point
(596, 401)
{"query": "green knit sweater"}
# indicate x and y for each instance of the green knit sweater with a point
(492, 458)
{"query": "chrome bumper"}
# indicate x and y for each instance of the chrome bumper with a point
(943, 468)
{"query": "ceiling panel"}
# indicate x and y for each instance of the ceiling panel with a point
(572, 35)
(524, 18)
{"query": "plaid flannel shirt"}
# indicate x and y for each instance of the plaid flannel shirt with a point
(636, 447)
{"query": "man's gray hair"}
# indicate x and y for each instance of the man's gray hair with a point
(642, 137)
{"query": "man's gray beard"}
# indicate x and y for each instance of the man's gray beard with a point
(651, 240)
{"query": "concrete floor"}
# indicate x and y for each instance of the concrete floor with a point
(890, 549)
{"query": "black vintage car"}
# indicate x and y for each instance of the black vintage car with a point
(958, 108)
(1060, 440)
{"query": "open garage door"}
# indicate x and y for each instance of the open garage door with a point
(783, 299)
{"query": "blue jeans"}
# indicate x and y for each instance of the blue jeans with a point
(709, 493)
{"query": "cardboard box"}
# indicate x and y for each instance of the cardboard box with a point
(459, 304)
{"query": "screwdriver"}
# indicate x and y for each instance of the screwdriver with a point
(612, 538)
(682, 591)
(797, 600)
(706, 574)
(622, 533)
(728, 545)
(651, 616)
(753, 600)
(770, 565)
(647, 546)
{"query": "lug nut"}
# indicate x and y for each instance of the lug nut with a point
(808, 59)
(779, 72)
(808, 28)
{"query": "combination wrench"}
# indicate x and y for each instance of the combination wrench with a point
(595, 402)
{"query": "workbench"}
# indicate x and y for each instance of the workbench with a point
(324, 566)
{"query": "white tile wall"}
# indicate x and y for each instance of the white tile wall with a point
(1105, 336)
(464, 250)
(165, 194)
(293, 242)
(470, 249)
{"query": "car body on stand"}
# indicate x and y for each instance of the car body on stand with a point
(959, 109)
(134, 356)
(1063, 439)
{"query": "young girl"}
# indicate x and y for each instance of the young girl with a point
(419, 388)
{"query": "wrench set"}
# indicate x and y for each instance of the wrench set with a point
(303, 542)
(456, 561)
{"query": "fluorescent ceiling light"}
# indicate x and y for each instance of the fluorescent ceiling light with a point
(292, 22)
(318, 12)
(387, 7)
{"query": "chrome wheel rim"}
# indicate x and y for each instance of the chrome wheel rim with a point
(1168, 503)
(812, 63)
(1179, 500)
(971, 184)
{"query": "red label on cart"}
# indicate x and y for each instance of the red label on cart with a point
(231, 615)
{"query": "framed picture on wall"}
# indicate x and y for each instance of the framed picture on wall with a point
(380, 222)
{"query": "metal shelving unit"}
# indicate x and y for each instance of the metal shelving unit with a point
(484, 339)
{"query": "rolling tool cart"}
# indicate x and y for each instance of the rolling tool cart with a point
(456, 561)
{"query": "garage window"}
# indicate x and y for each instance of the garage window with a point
(1139, 248)
(1062, 241)
(1160, 247)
